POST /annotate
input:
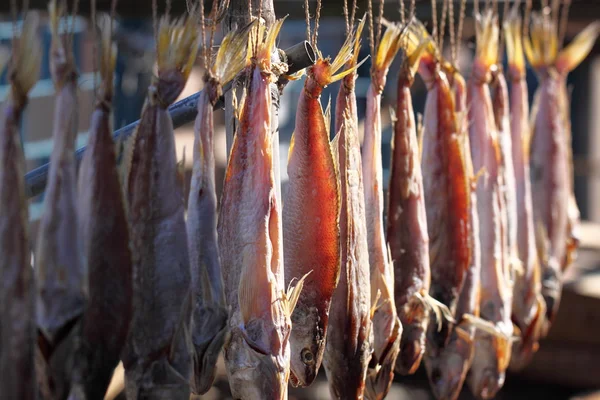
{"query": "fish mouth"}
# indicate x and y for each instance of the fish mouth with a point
(491, 383)
(411, 354)
(445, 387)
(306, 379)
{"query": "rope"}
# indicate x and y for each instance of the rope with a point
(95, 45)
(461, 20)
(402, 15)
(434, 31)
(443, 24)
(213, 15)
(379, 23)
(371, 39)
(563, 22)
(452, 32)
(527, 17)
(317, 18)
(307, 15)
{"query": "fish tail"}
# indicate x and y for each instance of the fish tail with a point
(388, 47)
(325, 73)
(357, 35)
(232, 55)
(572, 55)
(26, 63)
(514, 43)
(419, 47)
(177, 45)
(541, 47)
(486, 30)
(264, 47)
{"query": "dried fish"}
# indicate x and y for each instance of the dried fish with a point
(210, 311)
(311, 220)
(551, 164)
(17, 297)
(386, 326)
(104, 237)
(257, 353)
(446, 184)
(348, 345)
(493, 336)
(448, 368)
(407, 220)
(157, 357)
(59, 269)
(528, 308)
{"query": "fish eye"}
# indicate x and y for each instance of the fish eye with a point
(307, 357)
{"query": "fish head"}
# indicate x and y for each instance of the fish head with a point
(381, 368)
(488, 369)
(253, 372)
(448, 369)
(209, 334)
(307, 343)
(412, 346)
(524, 349)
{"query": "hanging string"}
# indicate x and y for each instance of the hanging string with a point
(527, 17)
(555, 17)
(402, 15)
(346, 17)
(168, 8)
(476, 9)
(505, 12)
(563, 23)
(434, 30)
(155, 25)
(461, 20)
(307, 15)
(452, 33)
(379, 23)
(353, 16)
(94, 45)
(412, 8)
(213, 16)
(371, 39)
(442, 31)
(317, 18)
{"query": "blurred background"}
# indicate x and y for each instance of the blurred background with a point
(566, 366)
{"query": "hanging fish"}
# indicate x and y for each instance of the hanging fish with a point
(59, 269)
(528, 308)
(157, 358)
(386, 326)
(551, 160)
(311, 221)
(17, 297)
(104, 237)
(257, 353)
(493, 336)
(448, 368)
(210, 311)
(446, 184)
(406, 230)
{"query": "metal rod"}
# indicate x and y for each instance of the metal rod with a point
(298, 57)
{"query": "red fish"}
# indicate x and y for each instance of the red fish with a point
(407, 222)
(257, 354)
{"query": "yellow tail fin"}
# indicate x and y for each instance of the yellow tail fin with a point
(514, 42)
(572, 55)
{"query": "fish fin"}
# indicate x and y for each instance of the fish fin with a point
(542, 242)
(291, 149)
(255, 288)
(177, 45)
(572, 55)
(293, 294)
(232, 55)
(181, 172)
(514, 40)
(117, 383)
(181, 342)
(295, 76)
(325, 73)
(420, 130)
(441, 311)
(26, 59)
(327, 117)
(335, 150)
(463, 334)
